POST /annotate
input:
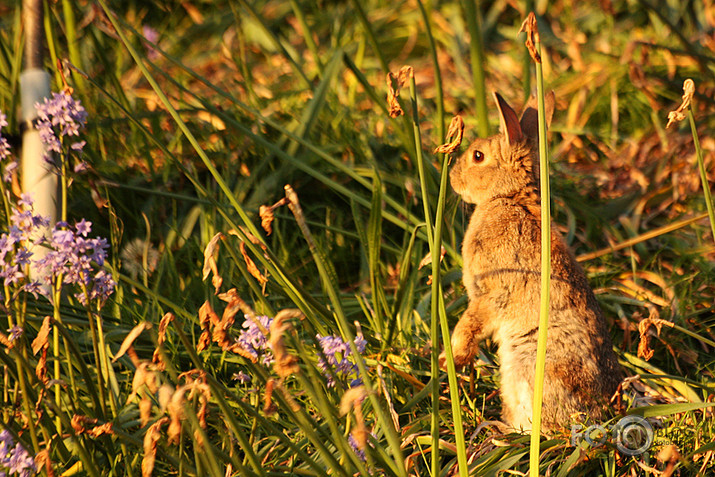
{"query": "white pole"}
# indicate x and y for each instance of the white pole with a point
(37, 177)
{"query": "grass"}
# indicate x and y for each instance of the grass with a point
(190, 133)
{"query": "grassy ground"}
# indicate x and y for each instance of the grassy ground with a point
(199, 113)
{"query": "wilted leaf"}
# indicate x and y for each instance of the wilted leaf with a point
(644, 328)
(393, 105)
(455, 131)
(42, 335)
(134, 334)
(210, 257)
(150, 442)
(251, 266)
(532, 36)
(679, 114)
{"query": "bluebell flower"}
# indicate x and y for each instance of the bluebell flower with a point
(59, 118)
(338, 358)
(14, 458)
(70, 255)
(254, 341)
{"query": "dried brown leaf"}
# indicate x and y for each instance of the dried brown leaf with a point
(679, 114)
(207, 316)
(268, 406)
(145, 405)
(134, 334)
(41, 339)
(351, 399)
(532, 36)
(285, 363)
(427, 259)
(175, 410)
(42, 460)
(150, 443)
(204, 340)
(79, 423)
(210, 257)
(266, 214)
(251, 266)
(669, 455)
(455, 131)
(163, 325)
(393, 105)
(105, 428)
(41, 367)
(644, 328)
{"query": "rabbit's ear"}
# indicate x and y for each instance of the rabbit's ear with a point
(508, 121)
(530, 118)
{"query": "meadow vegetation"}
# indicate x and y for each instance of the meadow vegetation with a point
(239, 286)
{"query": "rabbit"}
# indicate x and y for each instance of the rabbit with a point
(501, 273)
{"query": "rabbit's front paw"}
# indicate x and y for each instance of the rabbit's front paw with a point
(463, 352)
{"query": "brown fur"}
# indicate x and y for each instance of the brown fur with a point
(502, 263)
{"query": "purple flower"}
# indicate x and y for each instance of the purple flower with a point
(253, 340)
(10, 167)
(241, 377)
(59, 118)
(151, 36)
(69, 255)
(21, 462)
(337, 357)
(83, 227)
(14, 333)
(4, 145)
(14, 458)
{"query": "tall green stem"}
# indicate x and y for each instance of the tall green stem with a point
(476, 53)
(545, 275)
(437, 305)
(701, 168)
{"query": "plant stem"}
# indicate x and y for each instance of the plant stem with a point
(476, 51)
(545, 276)
(437, 305)
(701, 168)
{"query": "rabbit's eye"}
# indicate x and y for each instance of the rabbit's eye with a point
(477, 156)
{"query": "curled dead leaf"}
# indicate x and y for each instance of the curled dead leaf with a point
(210, 257)
(532, 36)
(151, 438)
(266, 214)
(393, 105)
(285, 363)
(455, 131)
(163, 325)
(268, 406)
(679, 114)
(644, 329)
